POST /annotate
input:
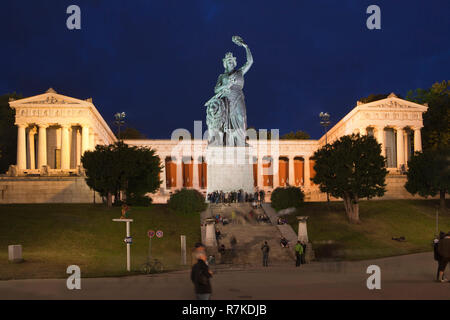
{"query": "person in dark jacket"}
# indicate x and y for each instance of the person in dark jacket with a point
(265, 251)
(443, 255)
(200, 276)
(303, 257)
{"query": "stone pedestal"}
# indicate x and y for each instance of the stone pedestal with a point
(210, 237)
(229, 169)
(15, 253)
(302, 229)
(303, 237)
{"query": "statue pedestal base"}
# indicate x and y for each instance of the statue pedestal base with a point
(230, 169)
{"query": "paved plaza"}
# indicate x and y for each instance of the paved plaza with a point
(403, 277)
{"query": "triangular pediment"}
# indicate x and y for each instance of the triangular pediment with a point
(393, 102)
(49, 98)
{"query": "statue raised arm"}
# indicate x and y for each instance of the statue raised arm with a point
(238, 40)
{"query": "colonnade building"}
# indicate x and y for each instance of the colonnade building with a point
(55, 130)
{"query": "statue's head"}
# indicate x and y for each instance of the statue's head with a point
(229, 62)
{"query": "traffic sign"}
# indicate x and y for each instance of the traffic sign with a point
(159, 234)
(151, 233)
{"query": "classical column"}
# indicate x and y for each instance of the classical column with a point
(195, 183)
(58, 147)
(179, 163)
(65, 147)
(84, 138)
(42, 148)
(77, 148)
(380, 139)
(260, 173)
(307, 182)
(71, 147)
(291, 171)
(31, 134)
(400, 147)
(21, 147)
(275, 173)
(162, 176)
(417, 140)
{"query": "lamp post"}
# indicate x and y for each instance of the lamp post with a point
(325, 122)
(120, 120)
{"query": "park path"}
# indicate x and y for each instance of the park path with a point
(402, 277)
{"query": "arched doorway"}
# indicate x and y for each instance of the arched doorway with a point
(187, 172)
(171, 173)
(299, 171)
(202, 173)
(283, 171)
(255, 171)
(312, 172)
(267, 163)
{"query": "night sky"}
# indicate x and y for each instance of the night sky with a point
(159, 60)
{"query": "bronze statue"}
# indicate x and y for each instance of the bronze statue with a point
(226, 115)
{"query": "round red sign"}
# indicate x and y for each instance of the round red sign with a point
(159, 234)
(151, 233)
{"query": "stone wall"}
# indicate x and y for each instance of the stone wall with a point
(46, 190)
(75, 190)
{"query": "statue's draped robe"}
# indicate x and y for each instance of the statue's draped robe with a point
(231, 109)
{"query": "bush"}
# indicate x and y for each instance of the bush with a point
(283, 198)
(139, 200)
(187, 201)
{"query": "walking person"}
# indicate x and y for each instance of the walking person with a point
(444, 256)
(304, 253)
(265, 251)
(200, 276)
(436, 251)
(298, 254)
(199, 248)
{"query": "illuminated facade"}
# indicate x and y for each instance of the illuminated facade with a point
(54, 131)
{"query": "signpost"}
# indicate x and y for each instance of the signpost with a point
(128, 240)
(151, 234)
(183, 249)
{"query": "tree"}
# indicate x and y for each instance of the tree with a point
(429, 174)
(283, 198)
(299, 135)
(374, 97)
(187, 201)
(436, 121)
(351, 168)
(118, 167)
(131, 133)
(8, 132)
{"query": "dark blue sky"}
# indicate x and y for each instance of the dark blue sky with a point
(159, 60)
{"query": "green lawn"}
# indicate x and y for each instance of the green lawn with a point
(54, 236)
(334, 238)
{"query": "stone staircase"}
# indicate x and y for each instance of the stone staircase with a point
(250, 236)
